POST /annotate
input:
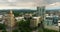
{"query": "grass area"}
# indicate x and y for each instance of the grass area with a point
(49, 30)
(46, 30)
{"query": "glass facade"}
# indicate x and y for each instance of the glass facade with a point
(40, 11)
(51, 21)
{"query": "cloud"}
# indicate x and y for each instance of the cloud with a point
(20, 4)
(53, 6)
(28, 3)
(52, 1)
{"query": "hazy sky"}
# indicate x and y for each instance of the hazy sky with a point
(30, 1)
(52, 1)
(25, 3)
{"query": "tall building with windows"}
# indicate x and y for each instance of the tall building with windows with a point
(9, 19)
(41, 11)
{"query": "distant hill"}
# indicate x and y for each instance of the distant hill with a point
(53, 10)
(21, 10)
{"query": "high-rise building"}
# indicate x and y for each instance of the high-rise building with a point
(9, 19)
(41, 11)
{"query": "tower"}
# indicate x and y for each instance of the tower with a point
(11, 19)
(41, 11)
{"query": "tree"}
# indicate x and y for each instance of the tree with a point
(4, 30)
(2, 26)
(49, 30)
(15, 30)
(24, 26)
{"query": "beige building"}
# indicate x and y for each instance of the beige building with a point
(35, 21)
(9, 19)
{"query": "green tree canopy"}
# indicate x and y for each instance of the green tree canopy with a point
(2, 26)
(24, 26)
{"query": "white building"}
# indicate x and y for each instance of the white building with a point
(1, 19)
(1, 16)
(58, 22)
(19, 18)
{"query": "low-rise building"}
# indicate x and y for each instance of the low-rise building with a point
(35, 21)
(19, 18)
(58, 22)
(51, 19)
(1, 19)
